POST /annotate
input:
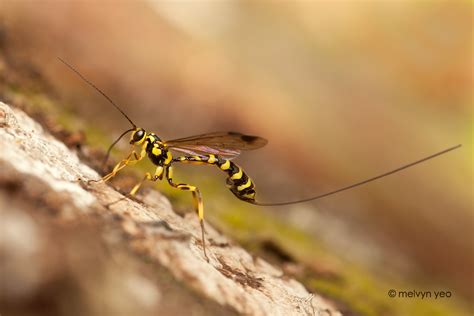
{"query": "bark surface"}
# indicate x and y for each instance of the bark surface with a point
(56, 224)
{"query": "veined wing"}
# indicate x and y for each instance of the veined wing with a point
(226, 144)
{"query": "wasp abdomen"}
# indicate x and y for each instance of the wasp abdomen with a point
(237, 181)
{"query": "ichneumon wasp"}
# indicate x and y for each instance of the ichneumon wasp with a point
(213, 149)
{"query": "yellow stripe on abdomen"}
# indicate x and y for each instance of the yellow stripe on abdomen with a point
(245, 186)
(238, 175)
(225, 165)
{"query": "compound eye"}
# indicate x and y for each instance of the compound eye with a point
(138, 135)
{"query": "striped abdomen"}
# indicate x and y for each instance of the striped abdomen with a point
(237, 181)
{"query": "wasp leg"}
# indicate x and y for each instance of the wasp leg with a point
(148, 176)
(123, 163)
(198, 205)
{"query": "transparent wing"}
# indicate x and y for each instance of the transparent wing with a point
(226, 144)
(204, 150)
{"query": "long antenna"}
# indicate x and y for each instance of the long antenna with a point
(113, 144)
(360, 183)
(98, 90)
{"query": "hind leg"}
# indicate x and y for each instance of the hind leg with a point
(198, 204)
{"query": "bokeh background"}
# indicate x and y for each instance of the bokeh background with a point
(342, 90)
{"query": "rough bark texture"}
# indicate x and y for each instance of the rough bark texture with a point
(62, 232)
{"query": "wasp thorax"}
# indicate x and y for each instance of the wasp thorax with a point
(138, 136)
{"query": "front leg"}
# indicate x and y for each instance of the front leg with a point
(125, 162)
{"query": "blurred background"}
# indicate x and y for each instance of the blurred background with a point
(342, 90)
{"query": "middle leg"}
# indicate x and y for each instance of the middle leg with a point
(158, 175)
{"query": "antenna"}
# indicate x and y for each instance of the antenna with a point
(113, 144)
(98, 90)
